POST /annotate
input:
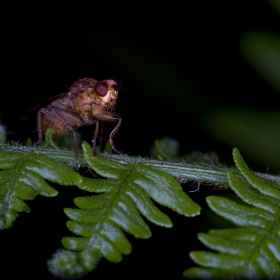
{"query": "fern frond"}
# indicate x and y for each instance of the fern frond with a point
(127, 197)
(23, 177)
(249, 252)
(128, 191)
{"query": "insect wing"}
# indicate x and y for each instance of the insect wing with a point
(34, 110)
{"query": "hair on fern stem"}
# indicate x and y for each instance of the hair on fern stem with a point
(198, 187)
(220, 187)
(88, 170)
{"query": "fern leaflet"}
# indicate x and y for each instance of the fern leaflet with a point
(249, 252)
(101, 219)
(22, 178)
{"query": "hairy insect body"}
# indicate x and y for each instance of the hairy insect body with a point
(88, 102)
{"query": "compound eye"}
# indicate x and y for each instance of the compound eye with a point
(101, 88)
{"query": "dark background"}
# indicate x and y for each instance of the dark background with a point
(177, 63)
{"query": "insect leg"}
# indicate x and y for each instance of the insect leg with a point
(64, 117)
(39, 128)
(113, 133)
(101, 133)
(94, 139)
(59, 116)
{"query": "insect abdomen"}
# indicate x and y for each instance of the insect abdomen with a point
(58, 128)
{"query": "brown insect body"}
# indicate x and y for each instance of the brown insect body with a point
(88, 102)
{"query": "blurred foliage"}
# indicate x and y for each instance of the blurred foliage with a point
(165, 148)
(275, 4)
(3, 133)
(168, 148)
(261, 49)
(253, 131)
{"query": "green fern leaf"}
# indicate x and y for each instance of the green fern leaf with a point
(125, 194)
(48, 141)
(253, 250)
(71, 265)
(22, 178)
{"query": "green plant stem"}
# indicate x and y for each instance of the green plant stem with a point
(183, 171)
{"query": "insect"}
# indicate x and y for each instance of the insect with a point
(87, 102)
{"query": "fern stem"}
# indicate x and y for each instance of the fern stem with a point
(208, 173)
